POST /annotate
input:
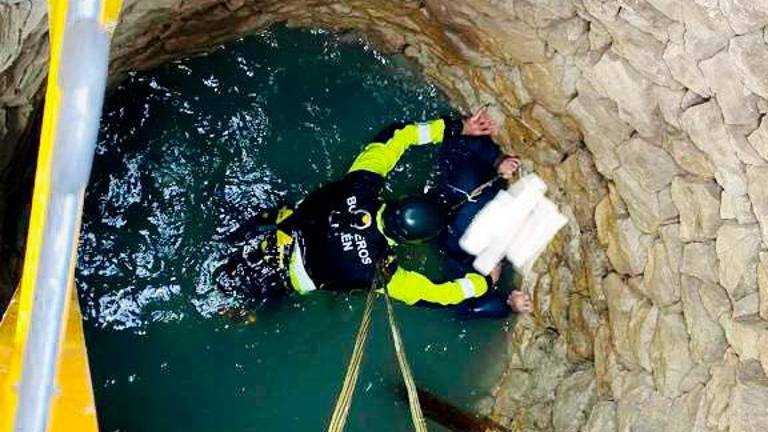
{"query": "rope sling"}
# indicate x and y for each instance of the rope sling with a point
(344, 400)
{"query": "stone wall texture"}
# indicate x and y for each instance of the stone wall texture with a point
(647, 120)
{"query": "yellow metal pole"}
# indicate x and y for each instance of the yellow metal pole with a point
(57, 11)
(73, 408)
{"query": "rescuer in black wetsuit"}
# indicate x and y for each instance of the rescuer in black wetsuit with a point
(338, 236)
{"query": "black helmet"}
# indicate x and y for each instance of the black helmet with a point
(413, 219)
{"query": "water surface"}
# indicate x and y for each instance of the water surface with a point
(187, 152)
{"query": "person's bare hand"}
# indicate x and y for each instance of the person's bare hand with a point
(508, 167)
(520, 302)
(479, 124)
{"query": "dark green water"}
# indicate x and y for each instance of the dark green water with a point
(194, 148)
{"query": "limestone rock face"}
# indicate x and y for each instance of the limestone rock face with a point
(649, 164)
(672, 361)
(737, 247)
(574, 400)
(646, 118)
(704, 123)
(708, 343)
(627, 245)
(602, 418)
(758, 194)
(750, 397)
(699, 206)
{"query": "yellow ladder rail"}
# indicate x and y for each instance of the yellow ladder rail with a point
(72, 408)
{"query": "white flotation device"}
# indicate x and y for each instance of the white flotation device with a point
(518, 223)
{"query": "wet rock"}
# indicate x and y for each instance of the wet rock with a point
(737, 247)
(704, 124)
(546, 359)
(700, 261)
(708, 343)
(698, 203)
(651, 166)
(574, 399)
(512, 391)
(627, 247)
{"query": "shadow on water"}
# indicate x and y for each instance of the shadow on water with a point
(192, 149)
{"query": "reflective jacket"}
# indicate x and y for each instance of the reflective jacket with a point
(338, 233)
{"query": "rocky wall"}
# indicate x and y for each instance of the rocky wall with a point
(647, 120)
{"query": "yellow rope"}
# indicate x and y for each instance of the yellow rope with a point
(419, 424)
(344, 401)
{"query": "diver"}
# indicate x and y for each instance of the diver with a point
(342, 234)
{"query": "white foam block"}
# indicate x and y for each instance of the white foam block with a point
(503, 216)
(540, 228)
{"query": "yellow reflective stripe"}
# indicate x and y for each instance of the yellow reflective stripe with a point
(380, 225)
(411, 287)
(381, 158)
(300, 279)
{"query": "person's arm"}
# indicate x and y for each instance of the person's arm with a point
(411, 287)
(383, 153)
